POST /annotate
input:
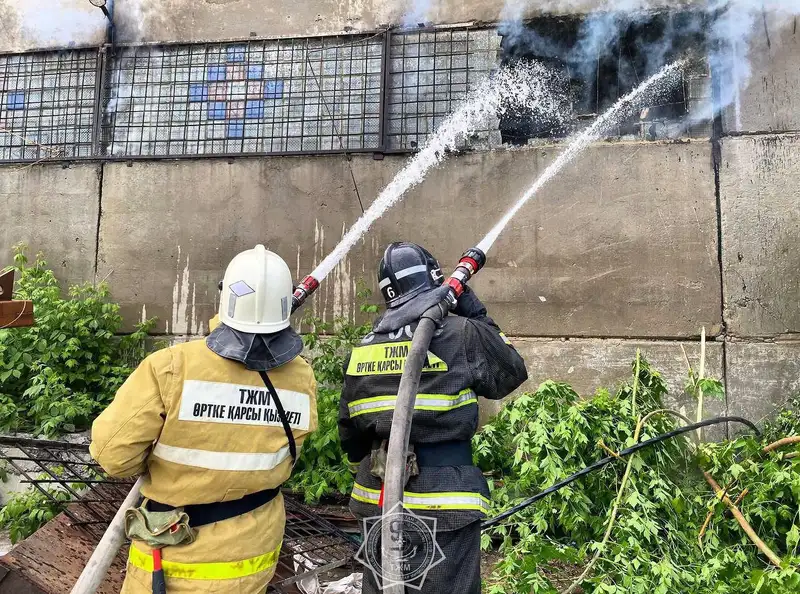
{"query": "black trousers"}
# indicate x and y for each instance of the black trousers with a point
(459, 573)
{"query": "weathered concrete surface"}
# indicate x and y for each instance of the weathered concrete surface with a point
(169, 229)
(589, 364)
(189, 20)
(622, 243)
(770, 101)
(53, 210)
(30, 24)
(761, 377)
(38, 24)
(760, 198)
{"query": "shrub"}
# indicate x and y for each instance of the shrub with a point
(59, 374)
(654, 545)
(26, 512)
(322, 467)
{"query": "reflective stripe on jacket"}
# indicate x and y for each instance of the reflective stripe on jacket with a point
(466, 358)
(205, 429)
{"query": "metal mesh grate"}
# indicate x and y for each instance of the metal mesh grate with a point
(430, 71)
(315, 95)
(385, 92)
(47, 104)
(64, 473)
(312, 547)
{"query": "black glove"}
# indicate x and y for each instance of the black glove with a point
(469, 306)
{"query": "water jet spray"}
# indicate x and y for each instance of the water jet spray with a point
(524, 85)
(470, 263)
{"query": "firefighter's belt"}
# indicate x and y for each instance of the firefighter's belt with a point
(445, 453)
(158, 528)
(208, 513)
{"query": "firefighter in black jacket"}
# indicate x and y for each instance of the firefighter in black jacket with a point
(469, 357)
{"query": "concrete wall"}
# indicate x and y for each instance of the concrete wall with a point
(769, 102)
(220, 19)
(636, 256)
(39, 24)
(619, 253)
(760, 195)
(53, 209)
(166, 245)
(589, 364)
(55, 23)
(635, 245)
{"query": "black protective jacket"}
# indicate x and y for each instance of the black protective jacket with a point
(468, 357)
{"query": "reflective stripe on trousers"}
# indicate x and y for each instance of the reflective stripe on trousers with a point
(429, 501)
(435, 402)
(206, 571)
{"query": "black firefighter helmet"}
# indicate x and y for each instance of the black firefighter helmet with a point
(407, 270)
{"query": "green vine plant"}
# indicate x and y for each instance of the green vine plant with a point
(658, 498)
(25, 512)
(59, 374)
(322, 467)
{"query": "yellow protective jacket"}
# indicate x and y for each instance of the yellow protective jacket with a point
(200, 427)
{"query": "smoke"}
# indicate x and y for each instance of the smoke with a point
(59, 23)
(131, 18)
(69, 23)
(417, 14)
(719, 30)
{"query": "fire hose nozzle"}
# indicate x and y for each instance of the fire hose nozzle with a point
(471, 262)
(302, 291)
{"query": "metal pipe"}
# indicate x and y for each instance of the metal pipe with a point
(96, 568)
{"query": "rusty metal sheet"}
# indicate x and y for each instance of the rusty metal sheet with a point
(15, 314)
(51, 560)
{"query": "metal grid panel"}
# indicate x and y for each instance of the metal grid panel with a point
(315, 94)
(312, 547)
(47, 103)
(64, 472)
(430, 71)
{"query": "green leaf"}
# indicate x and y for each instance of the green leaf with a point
(793, 537)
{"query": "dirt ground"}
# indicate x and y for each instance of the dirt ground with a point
(561, 575)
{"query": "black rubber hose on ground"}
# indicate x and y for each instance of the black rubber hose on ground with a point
(607, 460)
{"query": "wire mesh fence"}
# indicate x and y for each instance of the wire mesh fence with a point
(296, 95)
(48, 105)
(381, 92)
(67, 479)
(429, 73)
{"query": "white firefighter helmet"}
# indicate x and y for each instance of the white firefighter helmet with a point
(256, 292)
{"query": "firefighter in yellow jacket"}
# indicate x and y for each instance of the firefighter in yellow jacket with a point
(216, 426)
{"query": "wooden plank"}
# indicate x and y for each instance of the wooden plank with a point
(16, 314)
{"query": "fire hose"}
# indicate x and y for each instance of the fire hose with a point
(608, 459)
